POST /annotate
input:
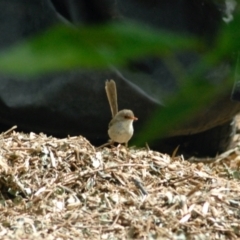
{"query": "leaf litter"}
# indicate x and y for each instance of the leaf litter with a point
(67, 189)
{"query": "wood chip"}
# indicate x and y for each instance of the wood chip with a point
(67, 189)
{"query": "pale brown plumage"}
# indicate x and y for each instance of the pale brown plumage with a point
(111, 91)
(121, 126)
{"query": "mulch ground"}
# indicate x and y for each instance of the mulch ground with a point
(67, 189)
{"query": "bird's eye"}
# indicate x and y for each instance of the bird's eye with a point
(126, 117)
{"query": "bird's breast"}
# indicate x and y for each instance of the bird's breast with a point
(121, 132)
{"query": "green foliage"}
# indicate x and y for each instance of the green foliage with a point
(196, 93)
(63, 48)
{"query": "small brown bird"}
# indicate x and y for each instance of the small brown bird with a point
(120, 128)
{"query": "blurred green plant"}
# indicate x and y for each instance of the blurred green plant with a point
(63, 48)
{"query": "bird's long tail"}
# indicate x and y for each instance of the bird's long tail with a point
(111, 91)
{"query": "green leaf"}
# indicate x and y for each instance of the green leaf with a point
(63, 48)
(194, 96)
(195, 93)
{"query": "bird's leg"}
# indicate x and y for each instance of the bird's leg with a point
(109, 143)
(119, 146)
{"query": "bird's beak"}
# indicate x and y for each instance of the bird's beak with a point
(132, 118)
